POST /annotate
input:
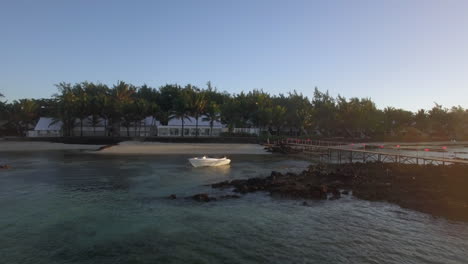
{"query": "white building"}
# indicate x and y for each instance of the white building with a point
(148, 127)
(46, 127)
(174, 128)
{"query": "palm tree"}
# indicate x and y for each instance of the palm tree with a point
(96, 96)
(212, 114)
(22, 115)
(81, 102)
(107, 110)
(154, 111)
(278, 117)
(198, 107)
(140, 111)
(66, 108)
(181, 111)
(128, 115)
(122, 96)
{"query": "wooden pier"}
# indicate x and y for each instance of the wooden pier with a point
(342, 152)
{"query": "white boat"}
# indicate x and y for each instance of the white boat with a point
(209, 162)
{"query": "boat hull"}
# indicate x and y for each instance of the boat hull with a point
(209, 162)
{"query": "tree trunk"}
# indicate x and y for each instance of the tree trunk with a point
(182, 127)
(211, 127)
(81, 127)
(139, 128)
(105, 128)
(196, 125)
(135, 129)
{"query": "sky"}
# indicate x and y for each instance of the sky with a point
(401, 53)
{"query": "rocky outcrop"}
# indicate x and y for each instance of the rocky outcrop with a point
(291, 185)
(438, 190)
(4, 167)
(204, 197)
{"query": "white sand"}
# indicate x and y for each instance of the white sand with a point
(8, 146)
(134, 147)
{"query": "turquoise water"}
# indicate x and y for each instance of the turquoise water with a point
(65, 207)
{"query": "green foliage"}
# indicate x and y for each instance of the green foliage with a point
(293, 114)
(22, 115)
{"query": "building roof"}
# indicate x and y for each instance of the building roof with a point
(47, 123)
(192, 122)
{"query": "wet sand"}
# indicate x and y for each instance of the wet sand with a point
(134, 147)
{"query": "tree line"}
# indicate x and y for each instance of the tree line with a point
(285, 114)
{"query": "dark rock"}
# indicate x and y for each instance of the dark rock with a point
(324, 188)
(237, 183)
(317, 192)
(221, 185)
(305, 203)
(203, 197)
(275, 174)
(345, 192)
(172, 197)
(255, 181)
(229, 196)
(336, 194)
(5, 167)
(242, 189)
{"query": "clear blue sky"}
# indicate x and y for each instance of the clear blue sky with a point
(402, 53)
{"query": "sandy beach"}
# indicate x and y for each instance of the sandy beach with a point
(136, 147)
(133, 147)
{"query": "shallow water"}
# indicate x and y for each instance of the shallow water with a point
(65, 207)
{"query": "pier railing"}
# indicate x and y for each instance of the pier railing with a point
(345, 152)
